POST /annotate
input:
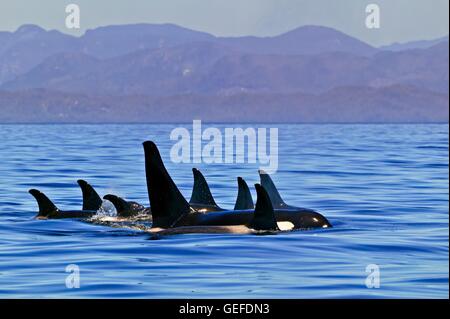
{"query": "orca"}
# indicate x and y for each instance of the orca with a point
(170, 209)
(244, 198)
(126, 208)
(48, 210)
(91, 199)
(201, 198)
(268, 184)
(263, 221)
(274, 195)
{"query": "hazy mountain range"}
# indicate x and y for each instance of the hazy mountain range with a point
(153, 73)
(414, 44)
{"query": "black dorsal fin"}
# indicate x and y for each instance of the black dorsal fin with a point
(201, 194)
(264, 216)
(271, 190)
(167, 202)
(244, 199)
(91, 200)
(46, 206)
(122, 207)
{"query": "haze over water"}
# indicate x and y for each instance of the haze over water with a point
(383, 187)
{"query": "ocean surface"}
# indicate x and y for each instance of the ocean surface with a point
(383, 187)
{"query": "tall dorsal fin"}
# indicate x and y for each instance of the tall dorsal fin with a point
(264, 216)
(46, 206)
(201, 194)
(244, 199)
(167, 202)
(91, 200)
(271, 190)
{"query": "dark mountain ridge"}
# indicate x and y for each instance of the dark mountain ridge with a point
(154, 73)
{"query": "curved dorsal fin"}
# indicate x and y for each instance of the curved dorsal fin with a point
(244, 199)
(91, 200)
(46, 206)
(271, 190)
(264, 216)
(201, 194)
(122, 207)
(167, 202)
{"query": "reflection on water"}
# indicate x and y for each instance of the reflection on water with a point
(384, 187)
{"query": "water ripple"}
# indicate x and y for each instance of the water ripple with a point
(384, 187)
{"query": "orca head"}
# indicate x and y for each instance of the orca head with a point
(312, 219)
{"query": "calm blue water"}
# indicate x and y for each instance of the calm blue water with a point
(384, 187)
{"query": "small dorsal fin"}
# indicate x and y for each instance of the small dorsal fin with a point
(201, 194)
(244, 199)
(46, 206)
(167, 202)
(269, 186)
(122, 207)
(91, 200)
(264, 215)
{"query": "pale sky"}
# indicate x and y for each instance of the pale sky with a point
(401, 20)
